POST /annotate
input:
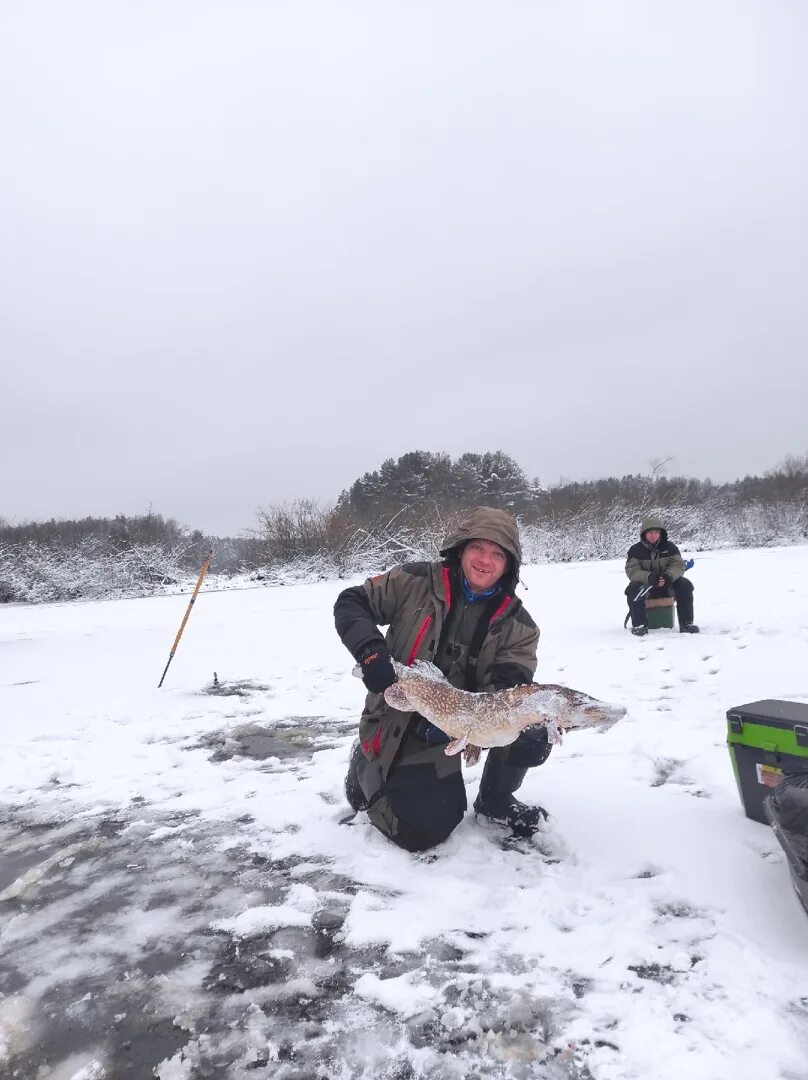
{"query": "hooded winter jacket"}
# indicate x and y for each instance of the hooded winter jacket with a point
(489, 644)
(646, 562)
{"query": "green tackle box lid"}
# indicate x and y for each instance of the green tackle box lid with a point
(785, 716)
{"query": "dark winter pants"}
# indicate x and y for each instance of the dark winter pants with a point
(423, 799)
(681, 590)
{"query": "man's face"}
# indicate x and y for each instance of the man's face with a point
(483, 562)
(652, 536)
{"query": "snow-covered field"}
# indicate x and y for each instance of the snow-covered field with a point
(177, 891)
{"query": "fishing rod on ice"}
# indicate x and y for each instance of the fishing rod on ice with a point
(197, 587)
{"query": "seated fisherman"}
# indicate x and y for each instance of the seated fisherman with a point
(655, 569)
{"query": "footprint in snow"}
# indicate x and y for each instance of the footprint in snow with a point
(665, 768)
(679, 909)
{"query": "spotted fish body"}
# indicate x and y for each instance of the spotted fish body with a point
(495, 718)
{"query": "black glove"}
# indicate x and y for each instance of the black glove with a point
(653, 578)
(668, 580)
(377, 671)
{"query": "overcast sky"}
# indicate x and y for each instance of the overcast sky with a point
(249, 250)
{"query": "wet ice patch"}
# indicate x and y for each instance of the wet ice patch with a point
(242, 688)
(61, 857)
(293, 737)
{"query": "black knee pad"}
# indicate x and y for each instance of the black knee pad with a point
(530, 749)
(417, 809)
(412, 839)
(428, 804)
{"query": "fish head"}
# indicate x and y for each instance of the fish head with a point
(581, 711)
(560, 709)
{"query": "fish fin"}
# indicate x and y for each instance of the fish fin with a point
(456, 745)
(429, 670)
(396, 698)
(555, 733)
(471, 755)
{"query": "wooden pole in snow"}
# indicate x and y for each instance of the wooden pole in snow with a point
(197, 587)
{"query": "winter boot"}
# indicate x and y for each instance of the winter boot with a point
(353, 791)
(639, 631)
(495, 799)
(688, 628)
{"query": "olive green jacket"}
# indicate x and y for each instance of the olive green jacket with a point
(413, 600)
(662, 558)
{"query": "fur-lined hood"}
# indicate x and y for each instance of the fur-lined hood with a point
(654, 523)
(487, 523)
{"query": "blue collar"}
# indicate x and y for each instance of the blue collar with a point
(472, 596)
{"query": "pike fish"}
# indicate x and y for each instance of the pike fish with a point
(495, 718)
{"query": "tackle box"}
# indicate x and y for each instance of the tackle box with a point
(766, 739)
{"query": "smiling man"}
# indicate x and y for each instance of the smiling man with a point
(461, 613)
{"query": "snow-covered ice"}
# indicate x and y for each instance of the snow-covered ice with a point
(178, 892)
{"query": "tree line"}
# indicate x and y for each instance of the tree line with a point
(404, 508)
(401, 511)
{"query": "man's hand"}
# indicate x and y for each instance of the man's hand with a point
(377, 671)
(652, 579)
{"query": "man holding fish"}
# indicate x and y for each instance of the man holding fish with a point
(460, 615)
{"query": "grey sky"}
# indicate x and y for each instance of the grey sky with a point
(249, 250)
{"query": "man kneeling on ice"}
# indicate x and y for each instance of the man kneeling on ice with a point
(461, 614)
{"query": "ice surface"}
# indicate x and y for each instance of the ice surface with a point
(178, 890)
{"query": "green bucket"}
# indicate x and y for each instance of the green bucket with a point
(659, 613)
